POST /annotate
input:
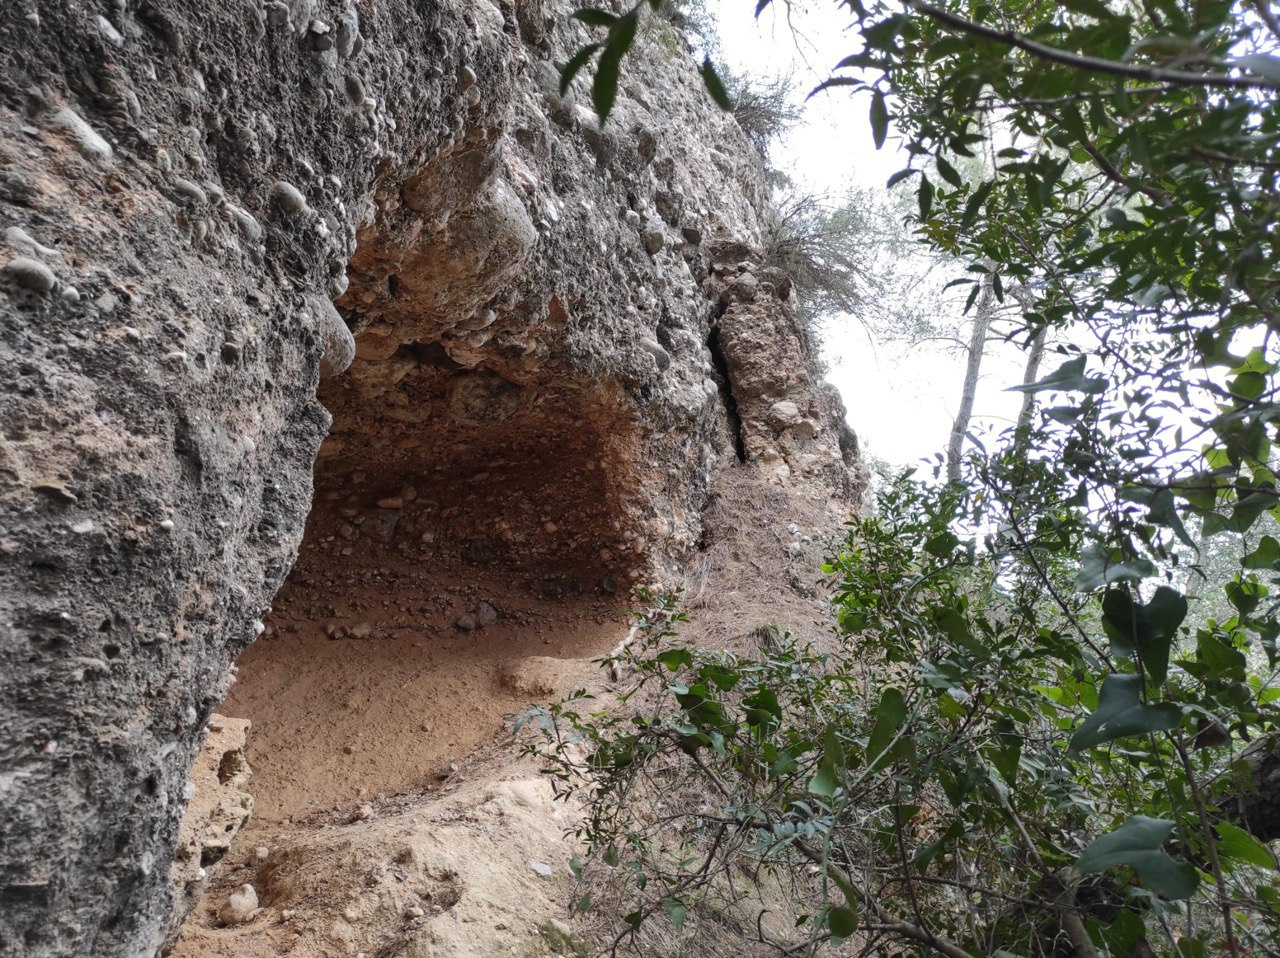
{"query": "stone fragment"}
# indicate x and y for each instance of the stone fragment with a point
(743, 289)
(486, 614)
(466, 622)
(30, 274)
(240, 907)
(541, 869)
(321, 36)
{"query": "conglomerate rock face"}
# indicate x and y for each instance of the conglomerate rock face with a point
(207, 207)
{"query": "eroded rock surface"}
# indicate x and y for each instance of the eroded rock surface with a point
(186, 188)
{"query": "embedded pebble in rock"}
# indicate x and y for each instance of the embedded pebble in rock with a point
(24, 242)
(190, 192)
(245, 222)
(278, 13)
(466, 78)
(466, 623)
(354, 88)
(288, 198)
(261, 853)
(87, 140)
(413, 911)
(364, 812)
(660, 356)
(542, 869)
(240, 907)
(29, 274)
(335, 338)
(348, 33)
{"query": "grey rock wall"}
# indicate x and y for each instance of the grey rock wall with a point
(185, 188)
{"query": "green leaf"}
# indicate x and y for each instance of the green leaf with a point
(1121, 713)
(604, 89)
(673, 659)
(1144, 631)
(677, 911)
(890, 714)
(1266, 556)
(715, 86)
(1098, 568)
(1069, 377)
(595, 18)
(879, 118)
(575, 65)
(1244, 594)
(947, 171)
(899, 177)
(1138, 843)
(824, 781)
(924, 196)
(1090, 8)
(1237, 845)
(941, 545)
(842, 922)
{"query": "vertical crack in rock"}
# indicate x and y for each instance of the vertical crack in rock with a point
(725, 384)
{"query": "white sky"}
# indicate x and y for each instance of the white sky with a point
(901, 398)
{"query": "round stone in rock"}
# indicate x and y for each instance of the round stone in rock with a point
(466, 623)
(287, 197)
(30, 274)
(466, 78)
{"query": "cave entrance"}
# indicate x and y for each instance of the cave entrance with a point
(464, 556)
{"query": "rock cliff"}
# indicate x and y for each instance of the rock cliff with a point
(246, 240)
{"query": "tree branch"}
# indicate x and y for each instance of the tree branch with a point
(1088, 64)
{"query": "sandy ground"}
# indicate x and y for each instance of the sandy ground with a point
(338, 719)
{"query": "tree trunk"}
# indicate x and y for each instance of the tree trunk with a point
(1034, 356)
(1258, 811)
(977, 346)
